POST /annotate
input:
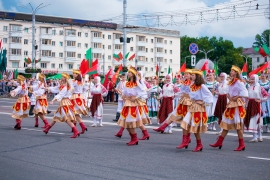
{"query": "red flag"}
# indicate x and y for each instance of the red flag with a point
(84, 66)
(116, 75)
(205, 66)
(157, 70)
(92, 71)
(132, 57)
(107, 78)
(256, 71)
(1, 44)
(95, 63)
(120, 56)
(183, 68)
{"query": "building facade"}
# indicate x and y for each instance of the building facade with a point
(257, 59)
(62, 43)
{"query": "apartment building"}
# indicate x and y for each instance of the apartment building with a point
(62, 43)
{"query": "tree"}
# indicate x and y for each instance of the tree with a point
(262, 39)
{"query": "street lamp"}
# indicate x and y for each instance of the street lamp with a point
(246, 57)
(205, 53)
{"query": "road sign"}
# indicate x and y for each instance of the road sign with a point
(193, 48)
(193, 60)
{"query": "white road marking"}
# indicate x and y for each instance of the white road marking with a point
(42, 131)
(250, 157)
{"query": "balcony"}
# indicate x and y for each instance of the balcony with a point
(15, 58)
(70, 48)
(97, 50)
(16, 33)
(70, 59)
(117, 41)
(70, 38)
(97, 39)
(15, 45)
(141, 53)
(160, 54)
(141, 43)
(159, 45)
(46, 36)
(46, 59)
(46, 47)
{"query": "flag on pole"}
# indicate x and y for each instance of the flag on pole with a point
(27, 60)
(116, 57)
(0, 43)
(264, 50)
(38, 60)
(216, 68)
(88, 57)
(258, 70)
(131, 57)
(126, 56)
(116, 75)
(157, 69)
(183, 68)
(120, 56)
(205, 67)
(244, 70)
(108, 75)
(169, 69)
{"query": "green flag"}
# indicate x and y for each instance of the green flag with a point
(216, 68)
(169, 70)
(1, 77)
(126, 56)
(88, 56)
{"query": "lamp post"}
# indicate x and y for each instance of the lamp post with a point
(185, 59)
(246, 57)
(205, 53)
(34, 11)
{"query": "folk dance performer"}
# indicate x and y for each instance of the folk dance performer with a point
(98, 92)
(133, 115)
(153, 98)
(178, 84)
(235, 112)
(253, 121)
(119, 89)
(22, 104)
(77, 98)
(41, 105)
(212, 85)
(195, 121)
(87, 95)
(181, 110)
(222, 100)
(266, 104)
(65, 111)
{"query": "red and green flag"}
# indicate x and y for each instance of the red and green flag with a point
(183, 68)
(132, 57)
(116, 75)
(37, 61)
(88, 56)
(264, 50)
(245, 70)
(116, 57)
(126, 56)
(205, 67)
(27, 60)
(169, 69)
(120, 56)
(259, 69)
(157, 69)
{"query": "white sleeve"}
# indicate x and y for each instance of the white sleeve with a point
(104, 91)
(61, 94)
(54, 89)
(206, 95)
(242, 90)
(18, 90)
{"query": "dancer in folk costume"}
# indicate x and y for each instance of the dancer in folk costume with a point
(166, 107)
(87, 94)
(266, 104)
(98, 92)
(77, 98)
(253, 121)
(181, 110)
(235, 113)
(41, 106)
(177, 97)
(133, 115)
(222, 91)
(119, 88)
(153, 98)
(65, 111)
(195, 121)
(212, 85)
(22, 104)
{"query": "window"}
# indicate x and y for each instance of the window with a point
(117, 46)
(53, 43)
(71, 43)
(141, 38)
(152, 69)
(54, 32)
(146, 49)
(165, 51)
(46, 41)
(97, 55)
(152, 50)
(170, 51)
(165, 41)
(71, 54)
(16, 51)
(117, 36)
(170, 42)
(159, 40)
(60, 66)
(258, 59)
(265, 59)
(79, 34)
(52, 65)
(86, 34)
(61, 44)
(131, 48)
(170, 60)
(25, 53)
(103, 46)
(152, 60)
(25, 41)
(16, 39)
(109, 37)
(146, 59)
(152, 40)
(26, 30)
(60, 54)
(79, 55)
(146, 40)
(97, 34)
(4, 40)
(70, 32)
(165, 60)
(109, 47)
(15, 28)
(141, 48)
(86, 45)
(109, 57)
(15, 64)
(43, 65)
(160, 50)
(79, 45)
(146, 69)
(70, 66)
(5, 28)
(103, 36)
(61, 32)
(97, 45)
(46, 53)
(46, 30)
(25, 65)
(139, 68)
(53, 54)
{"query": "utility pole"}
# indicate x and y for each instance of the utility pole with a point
(125, 32)
(34, 11)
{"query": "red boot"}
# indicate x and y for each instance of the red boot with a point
(184, 143)
(45, 123)
(74, 125)
(84, 128)
(18, 124)
(120, 132)
(36, 124)
(218, 143)
(199, 146)
(145, 135)
(46, 130)
(134, 140)
(241, 146)
(75, 132)
(189, 139)
(161, 128)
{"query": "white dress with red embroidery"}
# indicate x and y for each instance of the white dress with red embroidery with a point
(65, 111)
(77, 97)
(41, 98)
(22, 105)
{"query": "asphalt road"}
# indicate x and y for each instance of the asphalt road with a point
(29, 154)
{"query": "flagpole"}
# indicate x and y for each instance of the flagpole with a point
(124, 31)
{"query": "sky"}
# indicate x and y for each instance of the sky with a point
(241, 31)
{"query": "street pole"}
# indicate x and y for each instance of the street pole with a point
(103, 65)
(125, 32)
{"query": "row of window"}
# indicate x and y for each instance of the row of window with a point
(259, 59)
